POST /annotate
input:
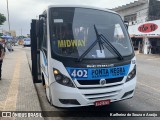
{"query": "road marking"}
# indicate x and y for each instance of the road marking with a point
(158, 90)
(10, 103)
(153, 59)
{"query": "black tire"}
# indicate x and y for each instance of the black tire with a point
(50, 97)
(43, 82)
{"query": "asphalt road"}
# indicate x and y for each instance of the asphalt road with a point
(146, 98)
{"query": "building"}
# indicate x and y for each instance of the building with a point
(143, 17)
(140, 11)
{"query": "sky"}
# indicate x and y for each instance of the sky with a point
(22, 11)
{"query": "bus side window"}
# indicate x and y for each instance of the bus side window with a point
(44, 42)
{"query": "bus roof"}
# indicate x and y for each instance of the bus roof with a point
(82, 6)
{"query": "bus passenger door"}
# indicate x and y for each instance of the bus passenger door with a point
(43, 55)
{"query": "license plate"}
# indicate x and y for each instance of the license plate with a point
(102, 102)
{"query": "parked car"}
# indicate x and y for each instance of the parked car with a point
(27, 42)
(16, 44)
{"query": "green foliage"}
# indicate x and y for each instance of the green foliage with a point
(20, 37)
(2, 19)
(1, 34)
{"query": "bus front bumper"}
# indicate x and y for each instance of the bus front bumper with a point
(63, 96)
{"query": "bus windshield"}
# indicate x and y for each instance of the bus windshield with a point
(72, 33)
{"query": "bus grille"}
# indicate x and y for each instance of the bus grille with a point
(96, 82)
(103, 93)
(106, 95)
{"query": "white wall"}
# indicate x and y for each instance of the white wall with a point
(140, 10)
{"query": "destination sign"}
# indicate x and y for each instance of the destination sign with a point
(71, 43)
(98, 73)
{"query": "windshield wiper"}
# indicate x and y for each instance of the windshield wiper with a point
(120, 57)
(101, 39)
(93, 44)
(87, 51)
(100, 43)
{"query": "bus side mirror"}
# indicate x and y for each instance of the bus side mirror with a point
(126, 23)
(40, 33)
(40, 27)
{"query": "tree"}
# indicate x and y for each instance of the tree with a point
(2, 19)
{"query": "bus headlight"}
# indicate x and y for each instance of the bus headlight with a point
(58, 77)
(65, 80)
(62, 79)
(132, 74)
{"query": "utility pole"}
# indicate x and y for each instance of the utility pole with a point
(8, 16)
(21, 31)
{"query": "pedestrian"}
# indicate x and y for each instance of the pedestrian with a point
(2, 54)
(149, 49)
(140, 47)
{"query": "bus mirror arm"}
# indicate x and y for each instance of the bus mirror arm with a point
(126, 23)
(40, 30)
(42, 16)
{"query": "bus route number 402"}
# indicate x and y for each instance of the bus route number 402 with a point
(79, 73)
